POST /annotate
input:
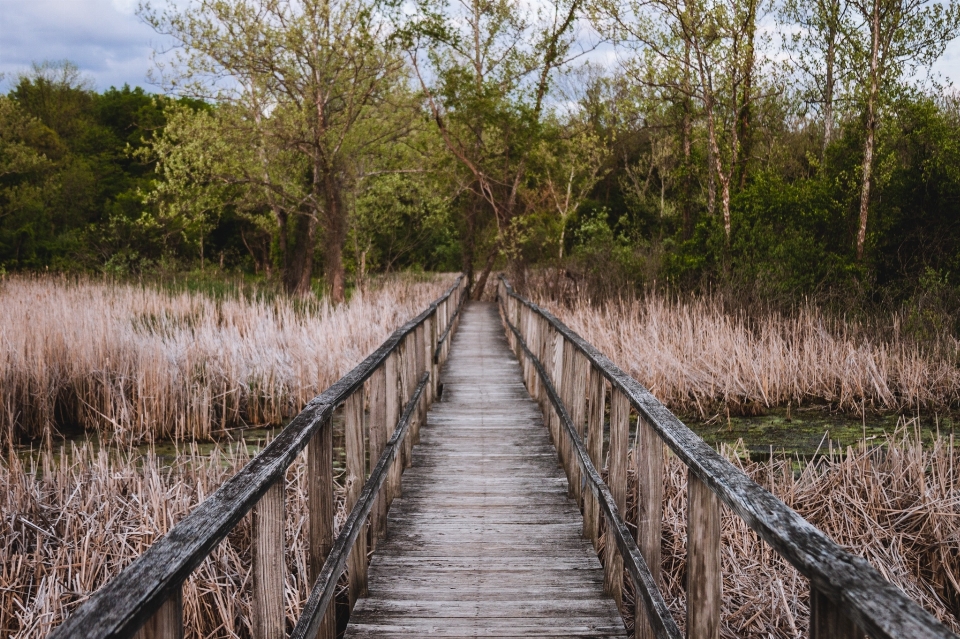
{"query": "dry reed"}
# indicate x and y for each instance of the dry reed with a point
(698, 358)
(896, 505)
(141, 364)
(68, 524)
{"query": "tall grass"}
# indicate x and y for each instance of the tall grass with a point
(697, 357)
(897, 506)
(71, 522)
(138, 363)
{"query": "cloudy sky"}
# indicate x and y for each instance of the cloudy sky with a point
(112, 46)
(103, 37)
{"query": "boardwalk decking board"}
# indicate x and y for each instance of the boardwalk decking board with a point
(483, 541)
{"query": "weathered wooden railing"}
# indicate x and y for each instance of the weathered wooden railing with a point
(574, 384)
(400, 381)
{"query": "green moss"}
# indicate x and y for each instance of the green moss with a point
(810, 429)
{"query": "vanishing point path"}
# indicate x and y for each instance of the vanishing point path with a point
(484, 541)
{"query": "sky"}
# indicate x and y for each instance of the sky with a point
(104, 38)
(112, 46)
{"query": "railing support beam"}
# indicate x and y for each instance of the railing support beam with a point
(166, 623)
(703, 560)
(827, 620)
(269, 620)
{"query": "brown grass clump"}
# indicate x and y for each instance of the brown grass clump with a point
(697, 357)
(69, 524)
(134, 362)
(897, 506)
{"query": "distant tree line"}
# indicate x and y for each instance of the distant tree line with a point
(336, 138)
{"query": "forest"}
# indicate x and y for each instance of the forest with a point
(776, 151)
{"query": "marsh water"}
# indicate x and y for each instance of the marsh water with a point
(803, 433)
(807, 431)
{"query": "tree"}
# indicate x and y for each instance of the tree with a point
(570, 165)
(703, 51)
(895, 39)
(305, 82)
(485, 68)
(817, 50)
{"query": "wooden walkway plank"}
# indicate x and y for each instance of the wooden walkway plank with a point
(484, 541)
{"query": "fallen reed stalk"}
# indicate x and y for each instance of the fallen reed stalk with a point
(700, 359)
(137, 363)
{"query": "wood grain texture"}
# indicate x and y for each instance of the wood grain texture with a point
(321, 514)
(828, 621)
(355, 478)
(324, 588)
(377, 428)
(617, 481)
(268, 565)
(649, 459)
(876, 605)
(392, 372)
(596, 406)
(484, 541)
(167, 623)
(703, 561)
(579, 376)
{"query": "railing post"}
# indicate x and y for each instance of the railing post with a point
(321, 513)
(421, 366)
(392, 372)
(166, 623)
(408, 358)
(355, 478)
(595, 409)
(525, 331)
(617, 482)
(564, 355)
(649, 460)
(432, 341)
(703, 560)
(378, 433)
(549, 362)
(533, 343)
(578, 409)
(269, 617)
(827, 620)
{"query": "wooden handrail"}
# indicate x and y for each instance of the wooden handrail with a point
(443, 338)
(325, 587)
(122, 606)
(664, 625)
(849, 584)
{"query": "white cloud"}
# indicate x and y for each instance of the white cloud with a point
(104, 38)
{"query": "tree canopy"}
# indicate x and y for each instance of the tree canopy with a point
(323, 140)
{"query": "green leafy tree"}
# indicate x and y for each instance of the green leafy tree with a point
(304, 84)
(486, 68)
(893, 41)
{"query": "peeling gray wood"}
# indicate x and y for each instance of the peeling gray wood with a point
(484, 541)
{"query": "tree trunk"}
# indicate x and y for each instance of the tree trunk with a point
(829, 63)
(686, 135)
(334, 237)
(745, 134)
(301, 234)
(469, 237)
(487, 267)
(871, 125)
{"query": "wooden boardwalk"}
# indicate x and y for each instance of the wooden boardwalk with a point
(484, 541)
